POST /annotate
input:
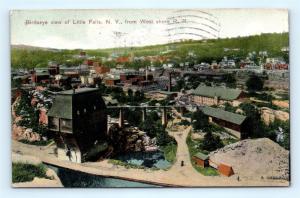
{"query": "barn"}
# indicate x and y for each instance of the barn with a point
(235, 123)
(201, 159)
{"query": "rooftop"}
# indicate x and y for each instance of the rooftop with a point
(222, 92)
(77, 91)
(62, 104)
(224, 115)
(201, 156)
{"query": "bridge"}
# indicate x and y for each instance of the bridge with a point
(144, 111)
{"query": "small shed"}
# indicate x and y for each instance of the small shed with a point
(225, 169)
(201, 160)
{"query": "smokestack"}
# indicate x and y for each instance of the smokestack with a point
(146, 73)
(170, 82)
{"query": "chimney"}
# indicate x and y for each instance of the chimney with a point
(170, 82)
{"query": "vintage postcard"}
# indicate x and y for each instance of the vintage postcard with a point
(150, 98)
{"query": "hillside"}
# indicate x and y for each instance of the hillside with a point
(205, 50)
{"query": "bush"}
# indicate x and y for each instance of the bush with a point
(255, 83)
(208, 171)
(170, 152)
(211, 142)
(26, 172)
(184, 123)
(30, 115)
(37, 143)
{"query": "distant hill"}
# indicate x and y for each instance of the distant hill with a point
(29, 47)
(205, 50)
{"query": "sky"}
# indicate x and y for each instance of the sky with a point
(97, 29)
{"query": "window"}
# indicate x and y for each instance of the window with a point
(66, 125)
(53, 123)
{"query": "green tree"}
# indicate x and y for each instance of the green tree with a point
(199, 120)
(162, 135)
(211, 142)
(230, 108)
(255, 125)
(230, 81)
(133, 116)
(179, 85)
(254, 83)
(148, 126)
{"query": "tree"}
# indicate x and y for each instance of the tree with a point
(179, 84)
(276, 126)
(149, 127)
(117, 93)
(130, 93)
(255, 125)
(100, 85)
(229, 108)
(133, 116)
(199, 120)
(162, 135)
(29, 115)
(230, 81)
(211, 142)
(254, 83)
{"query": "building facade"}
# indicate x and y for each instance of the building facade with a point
(79, 122)
(235, 124)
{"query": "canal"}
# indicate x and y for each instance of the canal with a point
(71, 178)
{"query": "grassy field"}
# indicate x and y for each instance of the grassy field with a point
(170, 152)
(22, 172)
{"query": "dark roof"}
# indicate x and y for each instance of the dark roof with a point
(77, 91)
(224, 115)
(221, 92)
(164, 92)
(61, 107)
(201, 156)
(62, 104)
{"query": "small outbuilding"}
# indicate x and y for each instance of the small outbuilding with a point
(201, 159)
(225, 169)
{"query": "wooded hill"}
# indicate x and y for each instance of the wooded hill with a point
(23, 56)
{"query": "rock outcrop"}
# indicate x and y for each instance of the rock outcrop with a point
(269, 115)
(131, 139)
(21, 133)
(280, 103)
